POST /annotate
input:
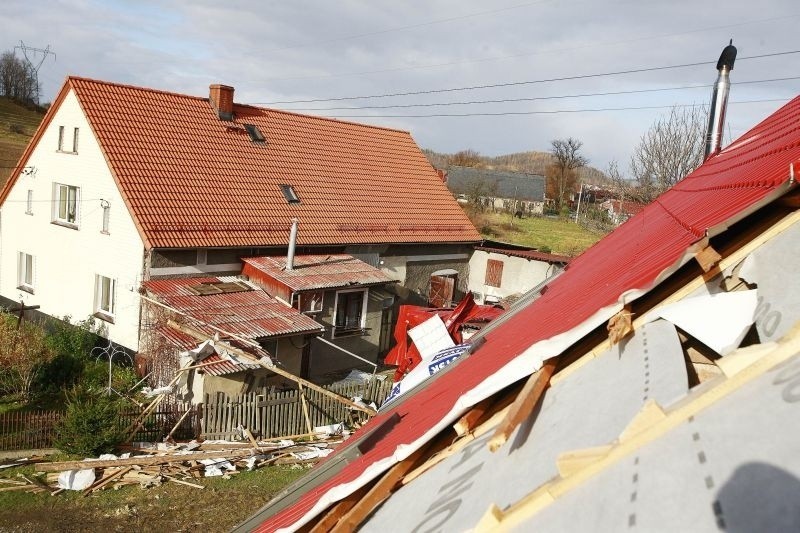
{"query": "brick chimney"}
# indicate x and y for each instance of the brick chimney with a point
(221, 99)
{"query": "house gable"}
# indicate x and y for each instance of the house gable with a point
(64, 209)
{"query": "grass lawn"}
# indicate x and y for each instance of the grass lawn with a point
(559, 235)
(219, 506)
(17, 125)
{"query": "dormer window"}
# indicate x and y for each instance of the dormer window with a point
(255, 134)
(290, 194)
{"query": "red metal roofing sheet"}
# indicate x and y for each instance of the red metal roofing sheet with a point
(631, 257)
(191, 179)
(224, 366)
(321, 271)
(253, 314)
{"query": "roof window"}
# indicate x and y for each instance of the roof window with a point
(255, 134)
(290, 194)
(219, 287)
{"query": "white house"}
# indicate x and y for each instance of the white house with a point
(498, 271)
(124, 184)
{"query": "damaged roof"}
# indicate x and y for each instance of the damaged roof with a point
(314, 272)
(248, 312)
(656, 245)
(190, 179)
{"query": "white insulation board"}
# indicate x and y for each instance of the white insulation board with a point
(734, 467)
(590, 408)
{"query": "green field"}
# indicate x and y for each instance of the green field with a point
(17, 125)
(558, 235)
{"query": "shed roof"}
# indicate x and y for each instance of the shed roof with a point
(629, 262)
(190, 179)
(314, 272)
(252, 313)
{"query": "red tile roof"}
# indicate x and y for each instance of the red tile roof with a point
(313, 272)
(252, 314)
(736, 182)
(191, 179)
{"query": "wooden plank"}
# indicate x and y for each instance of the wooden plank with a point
(378, 493)
(525, 403)
(707, 258)
(469, 420)
(620, 325)
(337, 511)
(570, 462)
(137, 460)
(105, 480)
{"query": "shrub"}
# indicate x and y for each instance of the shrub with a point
(91, 425)
(73, 345)
(24, 352)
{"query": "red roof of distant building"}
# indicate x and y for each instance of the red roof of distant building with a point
(535, 255)
(314, 272)
(252, 314)
(629, 261)
(190, 179)
(622, 206)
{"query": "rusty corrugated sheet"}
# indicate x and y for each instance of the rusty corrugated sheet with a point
(253, 314)
(314, 272)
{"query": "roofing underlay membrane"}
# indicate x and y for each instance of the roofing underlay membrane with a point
(629, 262)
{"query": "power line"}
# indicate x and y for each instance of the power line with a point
(536, 98)
(540, 52)
(409, 27)
(518, 83)
(554, 111)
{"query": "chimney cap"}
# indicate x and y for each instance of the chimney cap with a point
(727, 57)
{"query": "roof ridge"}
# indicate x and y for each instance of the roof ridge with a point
(330, 119)
(236, 104)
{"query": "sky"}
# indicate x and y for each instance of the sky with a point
(316, 57)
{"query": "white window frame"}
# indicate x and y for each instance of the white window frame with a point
(342, 331)
(104, 297)
(308, 301)
(26, 270)
(59, 189)
(29, 203)
(75, 140)
(60, 138)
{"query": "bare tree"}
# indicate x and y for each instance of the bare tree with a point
(17, 79)
(465, 158)
(568, 159)
(666, 153)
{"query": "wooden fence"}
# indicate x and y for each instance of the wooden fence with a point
(31, 430)
(267, 414)
(277, 414)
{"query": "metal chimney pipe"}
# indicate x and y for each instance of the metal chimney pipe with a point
(292, 244)
(719, 101)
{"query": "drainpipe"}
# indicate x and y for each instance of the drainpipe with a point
(292, 244)
(719, 101)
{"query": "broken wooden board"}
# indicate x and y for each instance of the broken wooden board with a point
(576, 413)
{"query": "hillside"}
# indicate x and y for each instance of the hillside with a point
(526, 162)
(17, 125)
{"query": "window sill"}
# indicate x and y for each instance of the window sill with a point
(26, 288)
(29, 213)
(339, 333)
(68, 152)
(105, 233)
(65, 224)
(104, 317)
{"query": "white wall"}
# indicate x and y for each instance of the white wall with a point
(519, 275)
(66, 259)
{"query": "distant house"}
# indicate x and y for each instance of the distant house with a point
(499, 271)
(499, 189)
(121, 185)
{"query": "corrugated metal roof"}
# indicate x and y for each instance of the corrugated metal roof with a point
(727, 187)
(190, 179)
(253, 314)
(527, 254)
(313, 272)
(223, 366)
